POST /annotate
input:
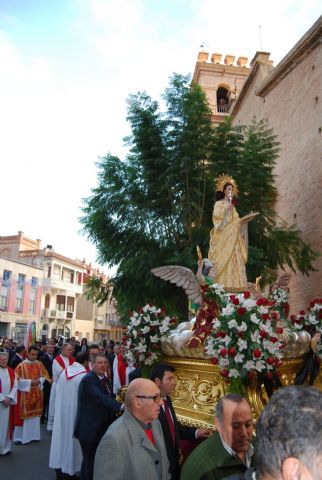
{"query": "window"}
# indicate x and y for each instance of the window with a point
(4, 291)
(48, 271)
(20, 331)
(222, 100)
(60, 302)
(33, 296)
(20, 291)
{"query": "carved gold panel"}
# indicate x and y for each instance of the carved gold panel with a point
(200, 385)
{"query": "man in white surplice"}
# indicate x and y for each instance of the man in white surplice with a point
(61, 362)
(65, 451)
(8, 394)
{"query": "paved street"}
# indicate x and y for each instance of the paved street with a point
(29, 462)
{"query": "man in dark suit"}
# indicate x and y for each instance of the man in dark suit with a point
(164, 377)
(18, 357)
(47, 359)
(96, 410)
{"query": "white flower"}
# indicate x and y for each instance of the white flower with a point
(242, 344)
(135, 321)
(165, 325)
(141, 357)
(216, 323)
(147, 318)
(140, 348)
(134, 333)
(242, 327)
(145, 329)
(239, 357)
(232, 324)
(223, 362)
(259, 365)
(154, 338)
(254, 318)
(154, 323)
(262, 309)
(249, 303)
(271, 347)
(228, 310)
(233, 373)
(313, 320)
(250, 365)
(255, 337)
(226, 340)
(209, 349)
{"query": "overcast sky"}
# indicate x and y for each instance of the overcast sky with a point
(66, 69)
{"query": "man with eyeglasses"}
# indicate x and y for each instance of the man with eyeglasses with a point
(133, 446)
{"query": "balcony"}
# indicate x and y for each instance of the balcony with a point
(57, 284)
(65, 315)
(47, 312)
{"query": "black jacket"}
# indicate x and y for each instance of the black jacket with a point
(181, 432)
(14, 362)
(96, 409)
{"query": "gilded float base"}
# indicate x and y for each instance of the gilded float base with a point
(200, 385)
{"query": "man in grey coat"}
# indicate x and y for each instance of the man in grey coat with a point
(133, 446)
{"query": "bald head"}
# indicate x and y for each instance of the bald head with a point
(143, 399)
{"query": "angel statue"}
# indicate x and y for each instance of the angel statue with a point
(228, 246)
(192, 334)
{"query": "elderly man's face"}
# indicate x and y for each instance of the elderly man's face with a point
(68, 350)
(149, 407)
(100, 366)
(237, 426)
(3, 360)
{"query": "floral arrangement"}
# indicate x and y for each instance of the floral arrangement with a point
(244, 339)
(311, 320)
(280, 297)
(147, 328)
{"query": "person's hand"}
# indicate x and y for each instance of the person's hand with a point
(6, 402)
(204, 432)
(35, 382)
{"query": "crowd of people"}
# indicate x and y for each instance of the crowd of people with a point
(74, 387)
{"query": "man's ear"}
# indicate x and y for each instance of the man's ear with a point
(157, 381)
(217, 424)
(292, 469)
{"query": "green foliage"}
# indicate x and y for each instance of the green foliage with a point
(154, 207)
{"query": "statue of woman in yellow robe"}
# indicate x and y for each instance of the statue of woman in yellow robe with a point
(228, 248)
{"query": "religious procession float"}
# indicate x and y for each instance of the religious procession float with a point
(240, 338)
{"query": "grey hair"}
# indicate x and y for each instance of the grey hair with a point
(95, 356)
(233, 397)
(290, 426)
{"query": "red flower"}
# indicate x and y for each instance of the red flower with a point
(232, 352)
(260, 301)
(265, 316)
(173, 321)
(232, 297)
(269, 375)
(241, 334)
(250, 375)
(224, 373)
(279, 330)
(257, 353)
(235, 301)
(148, 354)
(263, 334)
(270, 361)
(273, 339)
(301, 312)
(246, 295)
(214, 361)
(223, 352)
(274, 315)
(241, 311)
